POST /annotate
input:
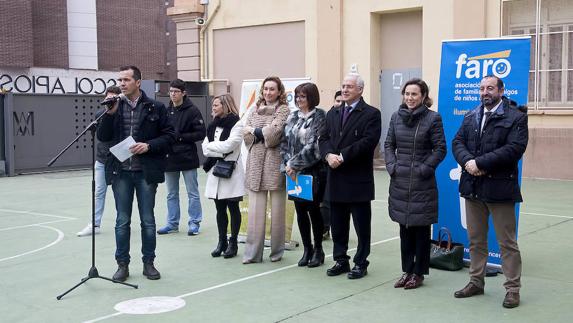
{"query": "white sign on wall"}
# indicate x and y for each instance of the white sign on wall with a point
(55, 81)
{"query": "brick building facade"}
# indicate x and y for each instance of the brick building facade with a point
(36, 33)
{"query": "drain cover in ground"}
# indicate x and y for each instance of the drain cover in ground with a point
(150, 305)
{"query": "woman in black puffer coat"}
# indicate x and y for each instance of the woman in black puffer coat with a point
(414, 147)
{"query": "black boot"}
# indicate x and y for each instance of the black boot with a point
(150, 271)
(306, 255)
(221, 246)
(232, 248)
(122, 272)
(317, 257)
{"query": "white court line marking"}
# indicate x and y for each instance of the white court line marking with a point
(58, 239)
(237, 281)
(36, 213)
(549, 215)
(31, 225)
(265, 273)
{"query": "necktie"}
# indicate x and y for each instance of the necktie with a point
(486, 116)
(345, 114)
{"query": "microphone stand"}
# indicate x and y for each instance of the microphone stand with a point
(93, 272)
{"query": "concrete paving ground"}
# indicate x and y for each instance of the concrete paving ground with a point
(41, 257)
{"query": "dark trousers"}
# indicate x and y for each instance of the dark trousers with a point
(325, 211)
(223, 221)
(340, 227)
(415, 249)
(308, 215)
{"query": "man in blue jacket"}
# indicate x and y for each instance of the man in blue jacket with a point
(488, 146)
(145, 120)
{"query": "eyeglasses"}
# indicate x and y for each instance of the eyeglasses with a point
(174, 91)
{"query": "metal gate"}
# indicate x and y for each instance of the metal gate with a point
(391, 81)
(38, 126)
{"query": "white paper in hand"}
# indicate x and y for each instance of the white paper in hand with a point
(121, 150)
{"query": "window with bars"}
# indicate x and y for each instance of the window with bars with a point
(550, 25)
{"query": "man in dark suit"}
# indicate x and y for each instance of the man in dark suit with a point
(488, 147)
(347, 143)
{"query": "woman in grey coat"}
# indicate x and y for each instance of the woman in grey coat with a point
(414, 147)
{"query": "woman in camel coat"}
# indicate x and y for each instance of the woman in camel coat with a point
(263, 132)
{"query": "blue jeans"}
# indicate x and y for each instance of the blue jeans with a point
(100, 191)
(123, 187)
(192, 186)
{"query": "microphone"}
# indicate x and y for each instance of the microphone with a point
(112, 100)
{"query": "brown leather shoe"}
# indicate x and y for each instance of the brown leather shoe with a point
(511, 300)
(468, 291)
(414, 282)
(402, 281)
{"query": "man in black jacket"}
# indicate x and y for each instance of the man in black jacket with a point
(145, 120)
(488, 146)
(183, 159)
(347, 143)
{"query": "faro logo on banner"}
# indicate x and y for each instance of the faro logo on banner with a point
(479, 66)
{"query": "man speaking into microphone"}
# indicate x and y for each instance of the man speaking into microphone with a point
(112, 98)
(145, 120)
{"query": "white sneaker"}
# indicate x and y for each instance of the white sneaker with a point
(87, 231)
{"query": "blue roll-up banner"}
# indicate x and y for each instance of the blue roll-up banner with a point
(464, 64)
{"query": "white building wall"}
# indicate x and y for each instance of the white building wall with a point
(82, 34)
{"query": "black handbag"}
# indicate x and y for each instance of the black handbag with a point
(445, 254)
(224, 168)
